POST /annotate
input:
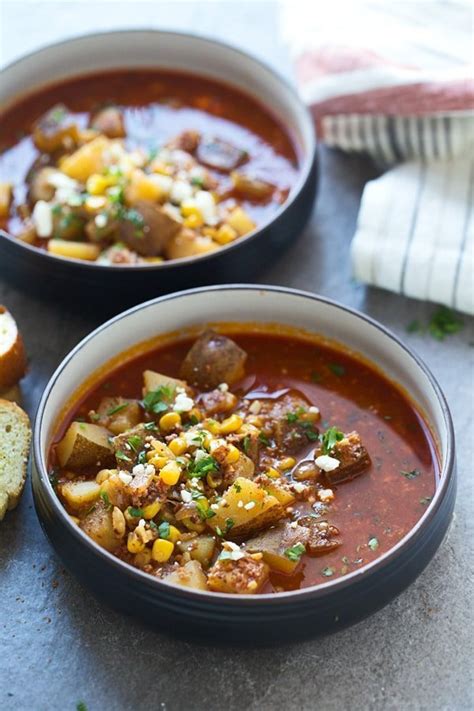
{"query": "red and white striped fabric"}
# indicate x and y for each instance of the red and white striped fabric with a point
(396, 81)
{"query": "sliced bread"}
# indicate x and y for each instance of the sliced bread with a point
(15, 437)
(12, 351)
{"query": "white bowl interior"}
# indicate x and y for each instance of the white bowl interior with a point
(149, 48)
(244, 304)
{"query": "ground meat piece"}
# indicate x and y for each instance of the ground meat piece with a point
(287, 422)
(213, 359)
(187, 141)
(322, 536)
(353, 457)
(128, 445)
(243, 576)
(148, 228)
(109, 121)
(217, 402)
(220, 155)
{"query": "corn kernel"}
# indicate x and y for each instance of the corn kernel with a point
(75, 520)
(104, 474)
(134, 544)
(157, 460)
(170, 473)
(170, 421)
(193, 222)
(196, 414)
(209, 232)
(233, 455)
(174, 534)
(162, 550)
(231, 424)
(273, 473)
(150, 510)
(240, 221)
(213, 426)
(287, 463)
(189, 207)
(255, 420)
(225, 234)
(213, 480)
(178, 446)
(97, 184)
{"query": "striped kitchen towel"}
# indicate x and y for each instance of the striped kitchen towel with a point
(396, 81)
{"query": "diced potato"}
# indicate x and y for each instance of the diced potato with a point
(240, 221)
(98, 525)
(85, 445)
(118, 414)
(143, 187)
(273, 544)
(109, 121)
(244, 576)
(153, 381)
(278, 489)
(74, 250)
(88, 159)
(200, 549)
(6, 195)
(250, 187)
(189, 576)
(118, 493)
(258, 510)
(80, 493)
(187, 244)
(56, 130)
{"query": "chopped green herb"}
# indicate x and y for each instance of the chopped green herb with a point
(238, 488)
(141, 459)
(337, 369)
(202, 467)
(264, 439)
(150, 426)
(116, 194)
(122, 456)
(58, 114)
(295, 552)
(425, 500)
(196, 180)
(80, 706)
(56, 210)
(113, 410)
(373, 543)
(204, 513)
(94, 416)
(193, 420)
(136, 513)
(105, 498)
(444, 322)
(410, 474)
(229, 522)
(292, 417)
(327, 572)
(135, 442)
(246, 442)
(219, 531)
(330, 438)
(158, 401)
(164, 530)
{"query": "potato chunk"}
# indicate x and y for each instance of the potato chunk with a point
(153, 381)
(281, 546)
(257, 510)
(279, 488)
(246, 575)
(188, 576)
(78, 494)
(200, 548)
(56, 130)
(109, 121)
(88, 159)
(85, 445)
(98, 525)
(117, 414)
(213, 359)
(6, 197)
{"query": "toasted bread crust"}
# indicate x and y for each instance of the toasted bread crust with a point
(13, 360)
(10, 496)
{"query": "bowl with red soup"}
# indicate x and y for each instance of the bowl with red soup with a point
(188, 163)
(244, 463)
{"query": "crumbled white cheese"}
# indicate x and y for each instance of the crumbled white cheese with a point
(164, 182)
(100, 220)
(173, 211)
(299, 487)
(42, 217)
(223, 387)
(327, 463)
(207, 207)
(314, 410)
(255, 407)
(186, 496)
(125, 477)
(141, 469)
(293, 524)
(200, 454)
(249, 506)
(180, 191)
(214, 507)
(326, 495)
(61, 180)
(179, 157)
(240, 504)
(198, 172)
(183, 403)
(231, 546)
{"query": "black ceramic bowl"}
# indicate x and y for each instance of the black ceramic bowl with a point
(268, 618)
(41, 272)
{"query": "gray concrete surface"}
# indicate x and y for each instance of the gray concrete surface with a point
(58, 646)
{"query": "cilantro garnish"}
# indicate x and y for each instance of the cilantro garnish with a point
(238, 488)
(327, 572)
(164, 530)
(135, 442)
(337, 369)
(264, 439)
(149, 426)
(204, 513)
(141, 459)
(373, 543)
(118, 408)
(202, 467)
(80, 706)
(330, 438)
(229, 522)
(122, 456)
(105, 498)
(410, 474)
(295, 552)
(444, 322)
(136, 513)
(246, 442)
(157, 401)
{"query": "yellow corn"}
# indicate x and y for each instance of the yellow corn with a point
(213, 426)
(255, 420)
(231, 424)
(6, 197)
(193, 222)
(178, 446)
(273, 473)
(209, 232)
(162, 550)
(170, 421)
(104, 474)
(174, 534)
(157, 460)
(213, 480)
(153, 260)
(225, 234)
(75, 520)
(150, 510)
(233, 455)
(189, 207)
(134, 544)
(195, 413)
(287, 463)
(97, 184)
(170, 473)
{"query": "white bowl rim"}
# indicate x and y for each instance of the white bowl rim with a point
(304, 170)
(319, 590)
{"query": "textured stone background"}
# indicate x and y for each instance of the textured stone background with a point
(59, 646)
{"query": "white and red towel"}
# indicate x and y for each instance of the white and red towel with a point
(395, 80)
